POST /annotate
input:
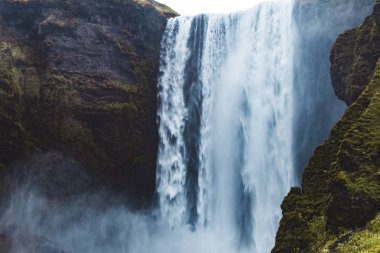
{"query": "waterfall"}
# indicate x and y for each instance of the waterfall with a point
(225, 119)
(244, 99)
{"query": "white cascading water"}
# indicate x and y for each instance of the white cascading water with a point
(225, 123)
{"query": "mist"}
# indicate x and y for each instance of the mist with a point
(44, 216)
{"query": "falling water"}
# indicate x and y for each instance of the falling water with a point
(225, 123)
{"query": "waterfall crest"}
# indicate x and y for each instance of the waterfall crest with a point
(225, 123)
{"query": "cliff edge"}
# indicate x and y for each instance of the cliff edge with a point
(337, 208)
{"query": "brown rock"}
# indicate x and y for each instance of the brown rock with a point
(80, 77)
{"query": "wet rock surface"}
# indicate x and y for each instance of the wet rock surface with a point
(80, 77)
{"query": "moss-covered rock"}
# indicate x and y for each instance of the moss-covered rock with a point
(353, 59)
(362, 241)
(80, 77)
(341, 185)
(355, 180)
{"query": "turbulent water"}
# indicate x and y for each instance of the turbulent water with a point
(225, 117)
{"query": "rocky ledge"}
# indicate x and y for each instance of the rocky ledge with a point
(78, 77)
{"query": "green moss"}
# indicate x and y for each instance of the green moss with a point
(356, 167)
(61, 22)
(341, 183)
(20, 78)
(128, 88)
(73, 129)
(61, 91)
(16, 51)
(17, 54)
(126, 47)
(79, 138)
(130, 107)
(132, 92)
(31, 82)
(358, 185)
(366, 240)
(16, 80)
(355, 137)
(11, 74)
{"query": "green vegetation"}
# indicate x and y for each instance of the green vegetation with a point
(128, 88)
(338, 208)
(366, 240)
(126, 48)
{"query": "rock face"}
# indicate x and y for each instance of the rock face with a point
(337, 209)
(353, 58)
(318, 23)
(79, 77)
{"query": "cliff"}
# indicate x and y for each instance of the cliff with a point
(78, 77)
(337, 208)
(318, 23)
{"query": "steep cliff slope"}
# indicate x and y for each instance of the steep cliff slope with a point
(337, 209)
(79, 77)
(318, 23)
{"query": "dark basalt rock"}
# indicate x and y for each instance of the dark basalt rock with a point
(79, 76)
(377, 14)
(354, 57)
